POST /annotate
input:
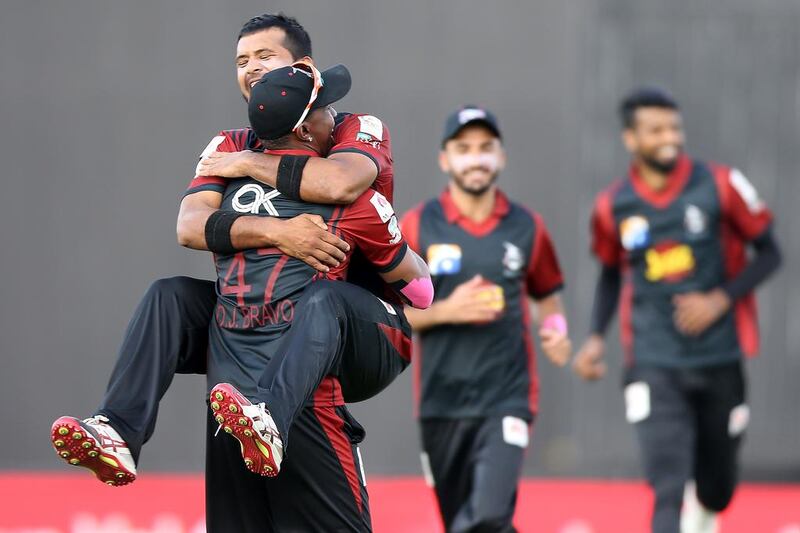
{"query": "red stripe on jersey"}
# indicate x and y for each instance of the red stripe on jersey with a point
(676, 181)
(625, 317)
(416, 377)
(409, 224)
(533, 374)
(329, 393)
(735, 256)
(334, 429)
(273, 277)
(400, 341)
(605, 239)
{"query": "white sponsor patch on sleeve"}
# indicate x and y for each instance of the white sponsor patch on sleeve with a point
(746, 190)
(211, 148)
(394, 230)
(739, 420)
(637, 402)
(389, 308)
(382, 206)
(371, 126)
(427, 473)
(515, 431)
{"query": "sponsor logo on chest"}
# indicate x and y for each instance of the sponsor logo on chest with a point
(669, 261)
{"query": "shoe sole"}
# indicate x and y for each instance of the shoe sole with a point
(227, 404)
(77, 448)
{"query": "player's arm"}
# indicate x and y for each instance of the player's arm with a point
(748, 217)
(411, 280)
(371, 223)
(362, 148)
(588, 362)
(544, 281)
(338, 179)
(202, 226)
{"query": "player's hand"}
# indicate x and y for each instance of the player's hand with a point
(588, 362)
(695, 312)
(556, 346)
(225, 164)
(471, 303)
(307, 238)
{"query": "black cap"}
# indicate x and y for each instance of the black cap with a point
(280, 98)
(469, 114)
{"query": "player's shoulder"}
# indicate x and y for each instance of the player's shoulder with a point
(241, 138)
(524, 214)
(362, 123)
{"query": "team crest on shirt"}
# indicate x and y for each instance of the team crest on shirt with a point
(444, 259)
(634, 232)
(512, 260)
(695, 220)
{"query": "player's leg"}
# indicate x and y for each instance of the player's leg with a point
(657, 405)
(167, 334)
(322, 487)
(722, 417)
(448, 447)
(338, 329)
(236, 500)
(500, 447)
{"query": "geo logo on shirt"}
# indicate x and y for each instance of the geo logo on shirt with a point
(669, 261)
(444, 259)
(634, 232)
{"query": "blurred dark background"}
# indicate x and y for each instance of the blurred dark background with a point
(105, 106)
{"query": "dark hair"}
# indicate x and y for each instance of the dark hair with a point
(281, 143)
(643, 97)
(296, 41)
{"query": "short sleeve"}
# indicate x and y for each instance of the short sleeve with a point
(367, 135)
(604, 237)
(371, 224)
(409, 225)
(224, 141)
(742, 208)
(544, 275)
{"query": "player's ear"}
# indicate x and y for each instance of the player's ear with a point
(444, 162)
(303, 132)
(629, 140)
(501, 158)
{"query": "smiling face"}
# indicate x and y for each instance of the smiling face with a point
(258, 53)
(473, 158)
(655, 138)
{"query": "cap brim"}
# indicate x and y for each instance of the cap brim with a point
(337, 84)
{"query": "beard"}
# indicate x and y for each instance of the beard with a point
(663, 167)
(477, 189)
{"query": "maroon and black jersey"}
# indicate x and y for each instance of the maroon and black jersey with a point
(490, 369)
(257, 289)
(691, 236)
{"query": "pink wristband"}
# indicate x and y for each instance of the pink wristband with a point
(556, 322)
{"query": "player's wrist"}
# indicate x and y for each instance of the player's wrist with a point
(272, 231)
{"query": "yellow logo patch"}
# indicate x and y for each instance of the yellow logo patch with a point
(672, 262)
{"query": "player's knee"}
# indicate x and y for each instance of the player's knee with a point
(168, 287)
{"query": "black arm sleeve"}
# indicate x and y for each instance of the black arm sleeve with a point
(606, 297)
(766, 261)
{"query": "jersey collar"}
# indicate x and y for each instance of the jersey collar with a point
(477, 229)
(675, 183)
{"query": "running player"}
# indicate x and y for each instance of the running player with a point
(168, 333)
(673, 236)
(260, 293)
(477, 381)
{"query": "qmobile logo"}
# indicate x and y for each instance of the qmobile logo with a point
(251, 198)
